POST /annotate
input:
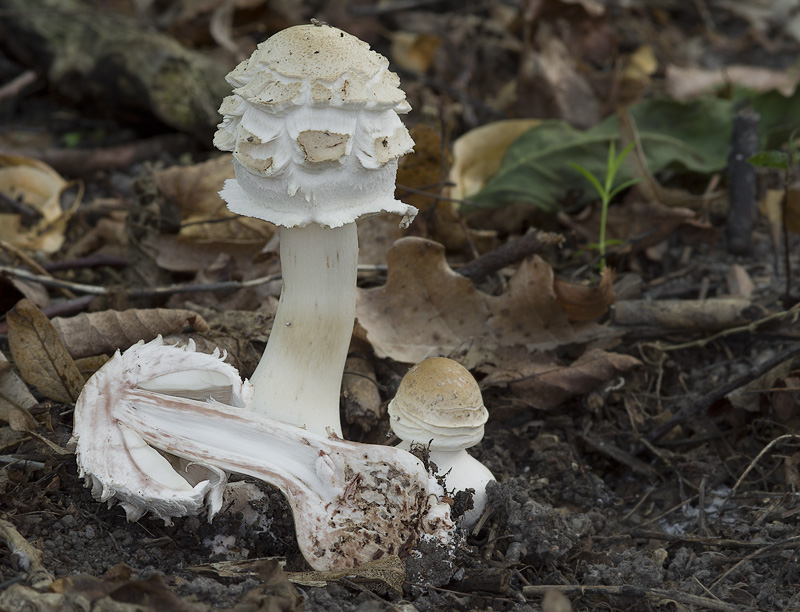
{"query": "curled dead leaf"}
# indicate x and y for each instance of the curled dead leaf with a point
(40, 355)
(38, 187)
(15, 399)
(584, 301)
(194, 189)
(478, 153)
(546, 383)
(97, 333)
(413, 51)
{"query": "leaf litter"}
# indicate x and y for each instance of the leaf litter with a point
(643, 424)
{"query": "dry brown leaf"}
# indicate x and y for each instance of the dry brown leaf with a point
(195, 190)
(790, 472)
(545, 383)
(413, 51)
(478, 153)
(586, 302)
(551, 84)
(739, 282)
(151, 594)
(36, 185)
(361, 399)
(422, 172)
(40, 355)
(388, 570)
(427, 309)
(15, 399)
(748, 397)
(641, 65)
(97, 333)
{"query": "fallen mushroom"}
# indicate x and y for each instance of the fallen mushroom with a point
(439, 405)
(315, 134)
(352, 502)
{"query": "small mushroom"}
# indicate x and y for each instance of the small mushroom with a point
(314, 129)
(439, 405)
(352, 503)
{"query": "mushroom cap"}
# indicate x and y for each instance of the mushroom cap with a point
(438, 399)
(314, 129)
(322, 65)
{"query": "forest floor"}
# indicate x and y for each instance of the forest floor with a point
(644, 434)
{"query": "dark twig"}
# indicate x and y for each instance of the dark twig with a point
(509, 253)
(742, 182)
(15, 86)
(704, 403)
(152, 292)
(21, 208)
(79, 162)
(92, 261)
(61, 309)
(636, 592)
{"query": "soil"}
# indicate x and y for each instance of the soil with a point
(587, 513)
(563, 513)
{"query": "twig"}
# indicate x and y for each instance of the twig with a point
(61, 309)
(750, 327)
(751, 466)
(92, 261)
(154, 292)
(742, 182)
(658, 517)
(25, 464)
(636, 592)
(49, 281)
(79, 162)
(705, 402)
(31, 263)
(620, 455)
(648, 534)
(19, 207)
(13, 88)
(30, 557)
(757, 553)
(509, 253)
(437, 196)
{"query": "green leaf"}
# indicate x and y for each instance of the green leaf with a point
(770, 159)
(779, 116)
(536, 168)
(591, 178)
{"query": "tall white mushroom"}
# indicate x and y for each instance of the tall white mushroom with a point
(314, 129)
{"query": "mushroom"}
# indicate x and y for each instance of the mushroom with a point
(352, 502)
(439, 405)
(315, 134)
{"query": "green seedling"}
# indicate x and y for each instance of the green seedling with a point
(607, 191)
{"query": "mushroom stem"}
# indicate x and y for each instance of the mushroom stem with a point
(299, 378)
